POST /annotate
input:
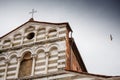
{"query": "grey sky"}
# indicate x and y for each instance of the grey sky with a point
(92, 22)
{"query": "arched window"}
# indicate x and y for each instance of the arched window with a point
(53, 60)
(11, 71)
(40, 62)
(26, 65)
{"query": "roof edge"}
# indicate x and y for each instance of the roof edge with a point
(86, 73)
(32, 20)
(77, 54)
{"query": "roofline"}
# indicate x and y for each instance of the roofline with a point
(77, 54)
(68, 26)
(91, 74)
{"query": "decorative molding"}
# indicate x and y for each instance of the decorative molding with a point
(47, 54)
(34, 56)
(35, 43)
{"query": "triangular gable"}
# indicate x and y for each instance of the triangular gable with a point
(32, 21)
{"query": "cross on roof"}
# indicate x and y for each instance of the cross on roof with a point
(32, 12)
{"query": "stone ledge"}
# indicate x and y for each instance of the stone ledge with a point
(39, 76)
(34, 43)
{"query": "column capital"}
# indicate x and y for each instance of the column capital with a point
(47, 54)
(19, 59)
(34, 55)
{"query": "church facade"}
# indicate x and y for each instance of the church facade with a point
(42, 51)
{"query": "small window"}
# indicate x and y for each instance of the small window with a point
(30, 35)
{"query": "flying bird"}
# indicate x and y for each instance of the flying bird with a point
(111, 38)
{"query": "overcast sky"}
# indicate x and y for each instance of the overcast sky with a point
(92, 21)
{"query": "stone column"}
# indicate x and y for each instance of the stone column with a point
(18, 66)
(46, 63)
(6, 62)
(33, 64)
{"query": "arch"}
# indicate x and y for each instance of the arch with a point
(40, 48)
(13, 58)
(40, 53)
(12, 54)
(22, 53)
(25, 65)
(27, 55)
(3, 57)
(53, 59)
(53, 45)
(53, 50)
(40, 61)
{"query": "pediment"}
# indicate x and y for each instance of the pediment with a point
(33, 29)
(33, 25)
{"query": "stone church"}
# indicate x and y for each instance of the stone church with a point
(43, 51)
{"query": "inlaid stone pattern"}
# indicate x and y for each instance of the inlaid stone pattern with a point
(45, 43)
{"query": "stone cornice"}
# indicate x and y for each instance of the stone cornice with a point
(40, 76)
